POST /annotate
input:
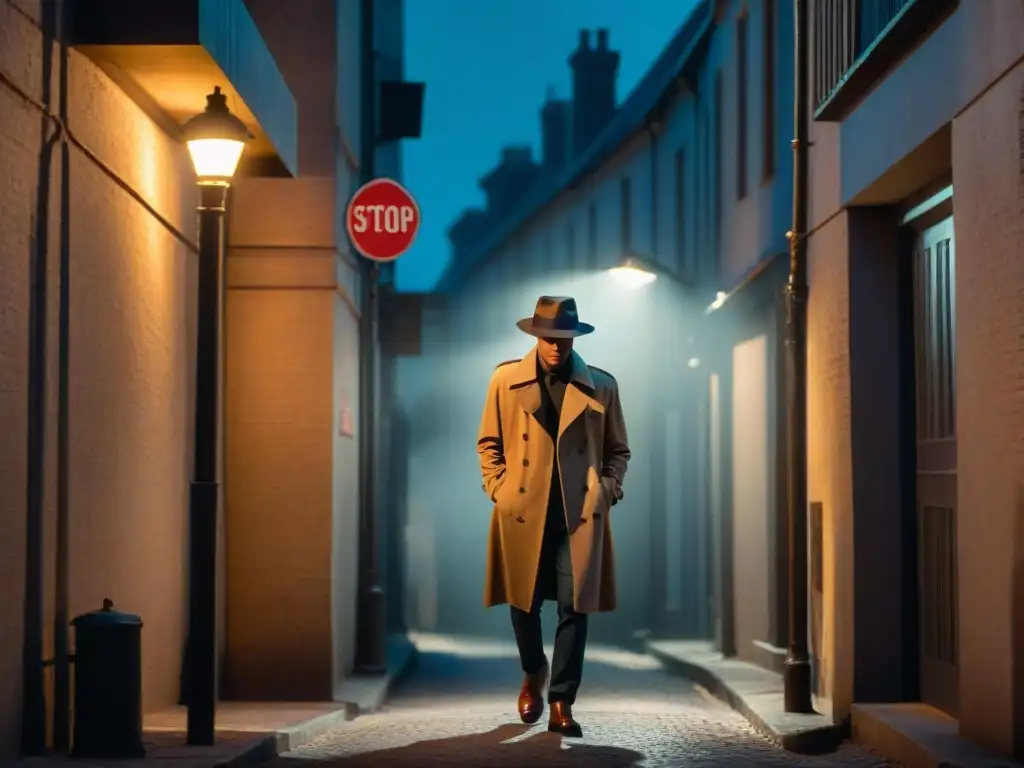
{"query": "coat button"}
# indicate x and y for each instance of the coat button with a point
(522, 490)
(520, 520)
(526, 462)
(583, 520)
(525, 436)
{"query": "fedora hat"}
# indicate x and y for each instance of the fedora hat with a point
(555, 318)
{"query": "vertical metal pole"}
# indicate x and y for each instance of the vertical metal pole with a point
(797, 675)
(33, 694)
(370, 652)
(202, 655)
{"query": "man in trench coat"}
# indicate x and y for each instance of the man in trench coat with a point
(553, 454)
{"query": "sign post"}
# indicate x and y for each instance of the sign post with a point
(382, 220)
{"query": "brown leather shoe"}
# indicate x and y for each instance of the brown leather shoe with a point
(561, 720)
(531, 696)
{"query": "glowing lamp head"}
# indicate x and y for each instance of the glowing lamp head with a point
(631, 274)
(215, 140)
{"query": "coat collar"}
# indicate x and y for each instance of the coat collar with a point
(525, 371)
(577, 398)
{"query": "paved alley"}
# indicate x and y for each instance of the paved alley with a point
(458, 709)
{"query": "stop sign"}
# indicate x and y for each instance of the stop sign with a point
(382, 220)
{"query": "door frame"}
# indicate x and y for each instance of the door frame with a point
(930, 207)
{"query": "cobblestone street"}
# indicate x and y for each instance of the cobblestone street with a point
(458, 709)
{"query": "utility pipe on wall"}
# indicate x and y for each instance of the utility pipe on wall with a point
(62, 572)
(370, 656)
(33, 714)
(797, 671)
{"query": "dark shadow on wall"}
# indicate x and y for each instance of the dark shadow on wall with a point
(486, 749)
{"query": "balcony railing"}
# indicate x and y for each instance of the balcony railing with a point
(857, 41)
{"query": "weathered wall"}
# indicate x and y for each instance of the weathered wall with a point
(132, 283)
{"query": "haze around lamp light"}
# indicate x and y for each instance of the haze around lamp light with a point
(215, 140)
(632, 275)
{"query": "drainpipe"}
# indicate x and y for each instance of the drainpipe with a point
(61, 617)
(797, 673)
(370, 657)
(33, 701)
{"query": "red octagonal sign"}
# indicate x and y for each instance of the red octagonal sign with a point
(382, 220)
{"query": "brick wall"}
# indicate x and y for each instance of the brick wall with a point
(130, 343)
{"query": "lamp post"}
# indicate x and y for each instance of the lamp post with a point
(215, 141)
(797, 671)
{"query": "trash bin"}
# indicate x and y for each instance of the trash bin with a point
(108, 684)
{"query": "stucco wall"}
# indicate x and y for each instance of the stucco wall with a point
(988, 178)
(130, 343)
(751, 495)
(345, 472)
(830, 466)
(279, 423)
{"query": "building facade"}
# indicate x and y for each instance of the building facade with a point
(99, 268)
(689, 175)
(914, 361)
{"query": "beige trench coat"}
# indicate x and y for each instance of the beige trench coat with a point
(515, 460)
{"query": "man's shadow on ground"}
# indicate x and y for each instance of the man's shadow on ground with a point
(486, 750)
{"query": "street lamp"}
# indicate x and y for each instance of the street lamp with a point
(633, 273)
(215, 141)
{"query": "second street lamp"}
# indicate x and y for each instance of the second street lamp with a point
(215, 141)
(634, 273)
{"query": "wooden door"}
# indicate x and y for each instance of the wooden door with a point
(935, 376)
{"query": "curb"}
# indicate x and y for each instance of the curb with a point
(402, 657)
(808, 740)
(273, 745)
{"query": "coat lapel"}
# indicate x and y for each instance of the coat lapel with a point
(579, 395)
(524, 382)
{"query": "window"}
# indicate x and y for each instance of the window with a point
(592, 236)
(703, 202)
(715, 182)
(680, 211)
(570, 246)
(626, 215)
(768, 89)
(741, 107)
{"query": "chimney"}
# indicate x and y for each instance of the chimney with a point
(509, 179)
(555, 120)
(594, 71)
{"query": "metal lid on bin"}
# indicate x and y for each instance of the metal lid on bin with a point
(107, 617)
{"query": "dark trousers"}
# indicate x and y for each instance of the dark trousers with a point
(571, 635)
